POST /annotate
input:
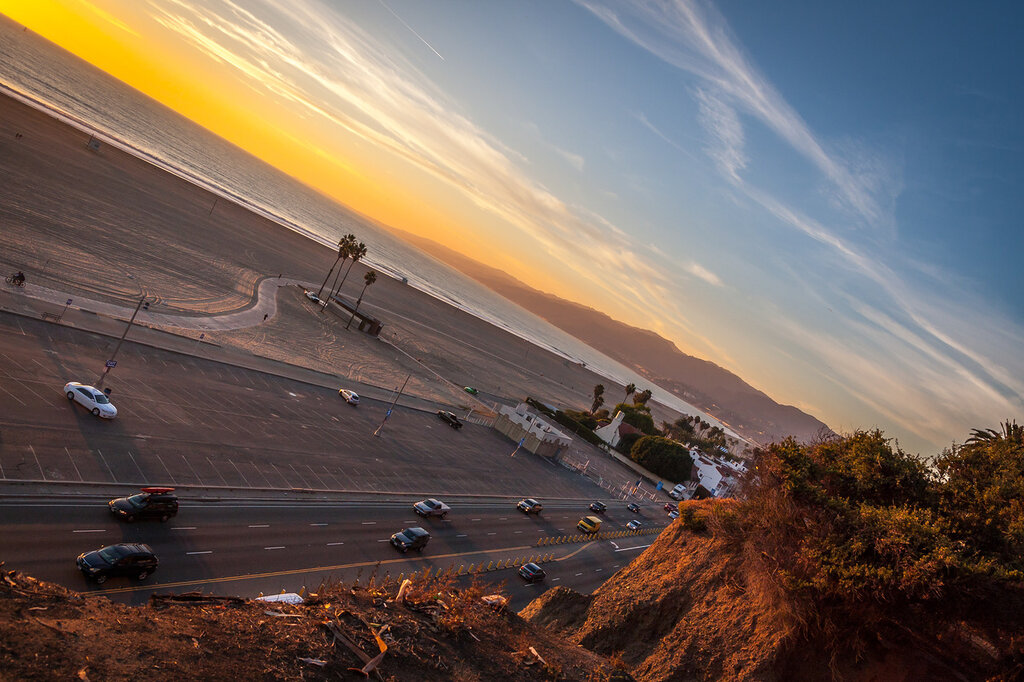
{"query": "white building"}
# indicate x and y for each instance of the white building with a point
(718, 478)
(613, 432)
(537, 435)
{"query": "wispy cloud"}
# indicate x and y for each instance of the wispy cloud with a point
(694, 37)
(574, 160)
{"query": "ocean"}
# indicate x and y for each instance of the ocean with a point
(46, 77)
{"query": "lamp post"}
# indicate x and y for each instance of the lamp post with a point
(111, 363)
(390, 407)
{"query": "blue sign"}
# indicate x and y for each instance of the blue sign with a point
(521, 441)
(388, 413)
(111, 364)
(660, 486)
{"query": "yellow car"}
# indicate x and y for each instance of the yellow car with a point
(589, 524)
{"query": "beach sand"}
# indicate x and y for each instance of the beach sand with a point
(109, 226)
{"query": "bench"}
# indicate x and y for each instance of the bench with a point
(51, 316)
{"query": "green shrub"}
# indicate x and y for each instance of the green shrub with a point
(662, 456)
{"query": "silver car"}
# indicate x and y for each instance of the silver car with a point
(94, 399)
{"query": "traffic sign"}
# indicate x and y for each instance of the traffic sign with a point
(111, 364)
(69, 302)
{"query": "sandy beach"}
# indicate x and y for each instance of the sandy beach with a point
(104, 225)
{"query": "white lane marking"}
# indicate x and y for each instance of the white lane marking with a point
(73, 464)
(183, 527)
(318, 524)
(260, 525)
(530, 585)
(331, 544)
(275, 547)
(384, 540)
(369, 523)
(461, 536)
(519, 531)
(554, 579)
(503, 518)
(613, 545)
(94, 530)
(208, 551)
(41, 472)
(626, 549)
(474, 519)
(598, 570)
(578, 574)
(492, 533)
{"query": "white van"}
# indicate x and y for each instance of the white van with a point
(677, 492)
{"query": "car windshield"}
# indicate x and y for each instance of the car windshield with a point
(100, 398)
(531, 502)
(433, 504)
(111, 554)
(138, 500)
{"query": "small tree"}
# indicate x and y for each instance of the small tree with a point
(662, 456)
(598, 398)
(642, 397)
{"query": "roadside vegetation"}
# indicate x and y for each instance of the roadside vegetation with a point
(860, 533)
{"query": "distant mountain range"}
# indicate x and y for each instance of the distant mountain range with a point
(703, 384)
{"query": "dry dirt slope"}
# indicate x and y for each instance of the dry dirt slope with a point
(692, 607)
(438, 633)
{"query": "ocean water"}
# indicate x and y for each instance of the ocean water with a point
(45, 76)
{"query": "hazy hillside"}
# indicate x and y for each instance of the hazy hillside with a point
(699, 382)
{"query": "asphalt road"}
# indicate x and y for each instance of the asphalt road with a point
(245, 548)
(184, 420)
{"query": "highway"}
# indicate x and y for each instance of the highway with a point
(245, 548)
(202, 425)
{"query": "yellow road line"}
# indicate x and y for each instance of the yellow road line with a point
(572, 554)
(296, 571)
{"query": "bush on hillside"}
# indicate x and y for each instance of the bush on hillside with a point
(854, 519)
(663, 457)
(637, 416)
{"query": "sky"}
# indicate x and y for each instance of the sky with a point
(824, 198)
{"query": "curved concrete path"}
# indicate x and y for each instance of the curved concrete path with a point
(265, 304)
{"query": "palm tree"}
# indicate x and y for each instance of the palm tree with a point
(642, 397)
(630, 390)
(1013, 433)
(343, 246)
(598, 398)
(369, 278)
(356, 252)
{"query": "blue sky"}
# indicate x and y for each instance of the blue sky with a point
(821, 197)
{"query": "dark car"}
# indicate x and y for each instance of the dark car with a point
(410, 538)
(598, 507)
(531, 572)
(152, 503)
(530, 506)
(633, 507)
(136, 560)
(450, 418)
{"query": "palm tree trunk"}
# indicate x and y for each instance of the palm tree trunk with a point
(336, 279)
(345, 277)
(328, 276)
(357, 306)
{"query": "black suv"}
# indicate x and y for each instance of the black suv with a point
(135, 560)
(151, 503)
(450, 418)
(598, 507)
(410, 538)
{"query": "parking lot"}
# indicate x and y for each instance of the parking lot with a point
(184, 420)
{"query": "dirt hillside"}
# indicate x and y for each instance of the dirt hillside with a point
(437, 632)
(693, 607)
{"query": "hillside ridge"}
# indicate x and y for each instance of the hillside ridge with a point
(702, 383)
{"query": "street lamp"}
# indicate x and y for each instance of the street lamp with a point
(112, 363)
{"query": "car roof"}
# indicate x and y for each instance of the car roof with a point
(416, 531)
(593, 519)
(532, 567)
